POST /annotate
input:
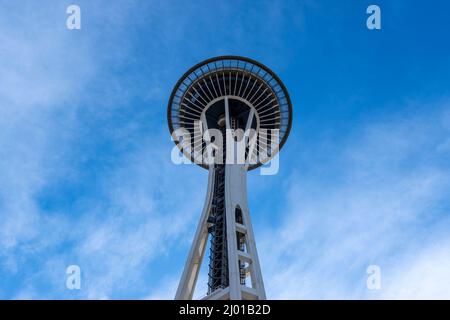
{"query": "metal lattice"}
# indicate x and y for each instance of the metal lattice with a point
(218, 256)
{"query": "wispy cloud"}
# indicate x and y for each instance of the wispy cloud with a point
(387, 205)
(35, 86)
(135, 210)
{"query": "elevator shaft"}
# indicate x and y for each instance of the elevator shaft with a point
(218, 276)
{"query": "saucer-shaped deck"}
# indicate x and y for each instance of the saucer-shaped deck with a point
(256, 99)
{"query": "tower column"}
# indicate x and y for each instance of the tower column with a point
(245, 277)
(240, 102)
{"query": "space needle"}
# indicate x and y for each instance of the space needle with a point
(237, 112)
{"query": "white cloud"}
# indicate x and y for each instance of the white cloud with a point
(421, 275)
(386, 202)
(34, 86)
(45, 72)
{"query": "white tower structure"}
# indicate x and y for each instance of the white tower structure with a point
(237, 112)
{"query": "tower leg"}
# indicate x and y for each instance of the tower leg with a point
(189, 277)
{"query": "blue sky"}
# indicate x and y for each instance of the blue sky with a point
(85, 170)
